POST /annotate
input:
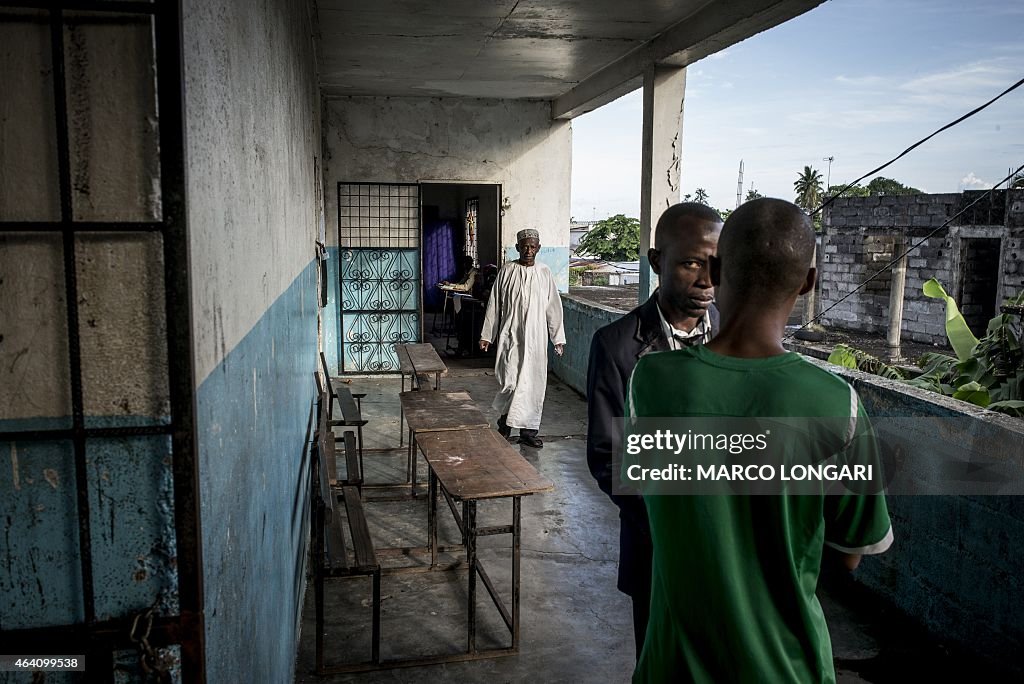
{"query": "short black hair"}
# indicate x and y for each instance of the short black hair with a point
(766, 247)
(670, 219)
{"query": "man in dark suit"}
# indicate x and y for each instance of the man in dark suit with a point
(680, 313)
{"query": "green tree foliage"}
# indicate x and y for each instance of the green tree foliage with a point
(808, 189)
(752, 194)
(888, 186)
(617, 238)
(701, 196)
(988, 372)
(856, 190)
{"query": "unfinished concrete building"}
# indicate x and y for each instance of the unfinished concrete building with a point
(970, 242)
(172, 175)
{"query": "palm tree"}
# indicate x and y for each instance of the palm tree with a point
(808, 189)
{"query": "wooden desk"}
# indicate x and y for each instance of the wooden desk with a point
(424, 359)
(471, 465)
(435, 412)
(414, 359)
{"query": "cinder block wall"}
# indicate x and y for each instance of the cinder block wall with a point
(861, 234)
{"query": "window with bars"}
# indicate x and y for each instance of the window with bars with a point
(472, 212)
(379, 248)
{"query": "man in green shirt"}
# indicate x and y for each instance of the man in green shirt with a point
(734, 577)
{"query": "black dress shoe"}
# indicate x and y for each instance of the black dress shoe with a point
(531, 441)
(503, 429)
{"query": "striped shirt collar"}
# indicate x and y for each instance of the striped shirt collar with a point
(679, 339)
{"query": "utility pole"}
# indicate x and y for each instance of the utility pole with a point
(828, 174)
(739, 186)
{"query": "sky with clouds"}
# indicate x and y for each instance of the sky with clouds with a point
(858, 80)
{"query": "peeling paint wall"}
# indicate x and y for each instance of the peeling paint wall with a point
(406, 140)
(253, 140)
(511, 142)
(114, 176)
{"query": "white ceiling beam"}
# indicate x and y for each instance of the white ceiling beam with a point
(714, 27)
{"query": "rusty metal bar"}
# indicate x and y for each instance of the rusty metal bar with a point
(432, 516)
(498, 603)
(71, 304)
(469, 516)
(517, 534)
(116, 6)
(455, 513)
(88, 433)
(178, 306)
(79, 227)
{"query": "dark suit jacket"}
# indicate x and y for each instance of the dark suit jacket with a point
(613, 354)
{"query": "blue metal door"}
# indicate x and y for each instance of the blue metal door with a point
(379, 235)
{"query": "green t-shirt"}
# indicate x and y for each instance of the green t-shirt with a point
(733, 580)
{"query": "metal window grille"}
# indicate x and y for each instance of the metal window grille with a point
(471, 248)
(379, 247)
(77, 230)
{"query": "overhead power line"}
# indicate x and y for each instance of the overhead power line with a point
(920, 142)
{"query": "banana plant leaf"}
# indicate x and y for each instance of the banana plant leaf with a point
(1013, 407)
(960, 336)
(974, 393)
(843, 356)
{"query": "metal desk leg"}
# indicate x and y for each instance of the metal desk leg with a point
(432, 517)
(469, 520)
(516, 529)
(359, 448)
(413, 459)
(401, 416)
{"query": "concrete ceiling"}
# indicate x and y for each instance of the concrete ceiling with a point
(582, 52)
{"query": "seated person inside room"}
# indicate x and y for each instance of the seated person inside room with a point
(468, 276)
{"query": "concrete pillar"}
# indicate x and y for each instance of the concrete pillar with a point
(811, 299)
(899, 282)
(664, 89)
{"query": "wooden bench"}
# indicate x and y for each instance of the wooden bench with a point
(328, 443)
(330, 553)
(352, 415)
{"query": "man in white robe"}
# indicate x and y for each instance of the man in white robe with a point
(524, 312)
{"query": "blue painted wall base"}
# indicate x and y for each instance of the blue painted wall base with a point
(254, 415)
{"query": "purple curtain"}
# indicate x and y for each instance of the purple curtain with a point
(438, 261)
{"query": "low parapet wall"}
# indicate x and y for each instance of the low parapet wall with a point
(581, 319)
(957, 565)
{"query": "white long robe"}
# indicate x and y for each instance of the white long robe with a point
(523, 313)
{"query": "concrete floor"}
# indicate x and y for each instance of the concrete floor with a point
(575, 625)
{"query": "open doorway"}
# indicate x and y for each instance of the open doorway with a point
(980, 282)
(460, 245)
